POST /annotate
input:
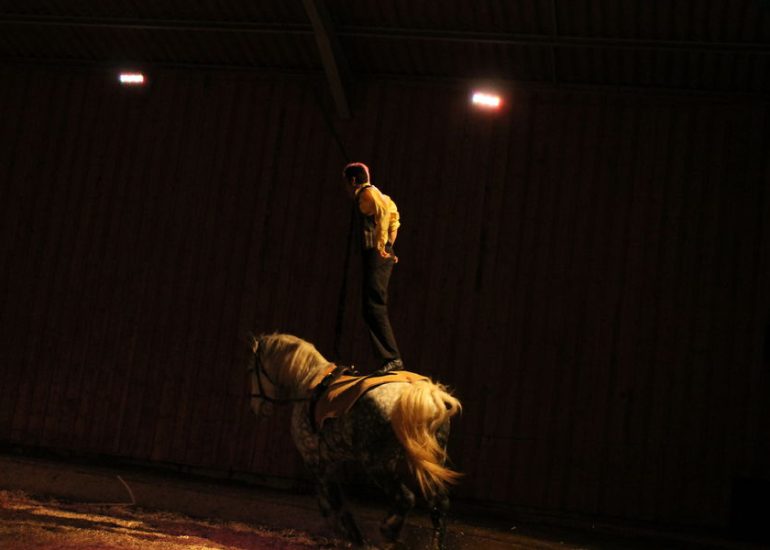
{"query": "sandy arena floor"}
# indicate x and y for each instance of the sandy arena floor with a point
(47, 505)
(27, 524)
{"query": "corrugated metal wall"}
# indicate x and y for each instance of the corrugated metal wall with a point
(589, 270)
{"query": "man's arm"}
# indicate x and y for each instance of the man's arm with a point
(394, 222)
(371, 203)
(392, 234)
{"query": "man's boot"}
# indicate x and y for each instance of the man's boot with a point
(394, 364)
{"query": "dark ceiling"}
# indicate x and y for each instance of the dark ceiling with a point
(693, 45)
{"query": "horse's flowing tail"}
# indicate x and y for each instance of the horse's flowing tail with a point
(416, 417)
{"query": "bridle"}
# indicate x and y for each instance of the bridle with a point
(258, 370)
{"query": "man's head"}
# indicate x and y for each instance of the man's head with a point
(356, 173)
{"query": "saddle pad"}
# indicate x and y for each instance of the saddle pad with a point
(346, 390)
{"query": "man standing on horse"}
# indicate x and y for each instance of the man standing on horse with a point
(378, 222)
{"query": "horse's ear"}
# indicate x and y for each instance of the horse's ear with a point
(248, 339)
(253, 342)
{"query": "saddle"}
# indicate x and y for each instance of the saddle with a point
(338, 390)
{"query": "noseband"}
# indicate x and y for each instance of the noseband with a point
(258, 370)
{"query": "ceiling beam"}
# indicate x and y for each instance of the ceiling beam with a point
(334, 61)
(392, 33)
(555, 37)
(559, 41)
(155, 24)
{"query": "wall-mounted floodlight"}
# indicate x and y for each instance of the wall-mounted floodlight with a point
(131, 78)
(486, 100)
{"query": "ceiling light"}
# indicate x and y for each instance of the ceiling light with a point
(131, 79)
(486, 100)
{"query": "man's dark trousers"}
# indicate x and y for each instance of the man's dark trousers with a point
(374, 300)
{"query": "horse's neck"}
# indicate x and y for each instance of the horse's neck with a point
(310, 378)
(319, 371)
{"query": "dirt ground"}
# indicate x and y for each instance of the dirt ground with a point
(35, 523)
(27, 524)
(47, 505)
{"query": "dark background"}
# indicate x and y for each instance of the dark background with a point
(588, 268)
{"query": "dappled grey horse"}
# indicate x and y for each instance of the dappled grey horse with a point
(396, 431)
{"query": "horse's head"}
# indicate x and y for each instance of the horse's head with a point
(263, 370)
(281, 366)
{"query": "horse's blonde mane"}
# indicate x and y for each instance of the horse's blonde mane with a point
(291, 361)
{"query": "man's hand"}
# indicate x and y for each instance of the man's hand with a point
(385, 254)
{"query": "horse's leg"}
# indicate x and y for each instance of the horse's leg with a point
(333, 509)
(438, 510)
(439, 504)
(316, 458)
(401, 503)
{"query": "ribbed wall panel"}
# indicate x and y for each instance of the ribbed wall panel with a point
(589, 271)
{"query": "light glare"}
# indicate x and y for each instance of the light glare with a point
(132, 78)
(486, 100)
